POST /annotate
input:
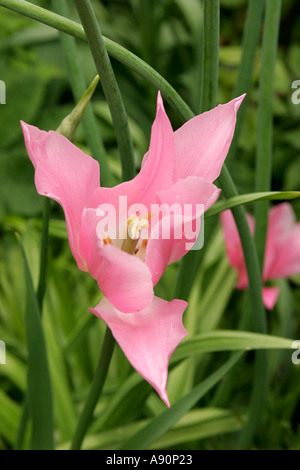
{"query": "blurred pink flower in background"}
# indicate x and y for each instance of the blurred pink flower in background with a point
(282, 254)
(178, 168)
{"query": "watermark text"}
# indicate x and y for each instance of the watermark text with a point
(2, 353)
(2, 92)
(296, 94)
(177, 221)
(296, 354)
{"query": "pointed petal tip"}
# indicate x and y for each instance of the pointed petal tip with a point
(32, 137)
(32, 134)
(164, 396)
(160, 103)
(25, 128)
(238, 101)
(148, 338)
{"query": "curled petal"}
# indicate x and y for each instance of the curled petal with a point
(124, 279)
(202, 143)
(63, 173)
(147, 338)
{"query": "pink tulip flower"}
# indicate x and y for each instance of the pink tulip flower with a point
(178, 168)
(282, 254)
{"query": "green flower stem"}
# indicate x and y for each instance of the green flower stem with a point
(211, 44)
(95, 390)
(78, 85)
(244, 79)
(110, 86)
(250, 254)
(258, 311)
(211, 10)
(265, 121)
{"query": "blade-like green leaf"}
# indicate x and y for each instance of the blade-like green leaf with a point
(14, 370)
(162, 423)
(229, 341)
(39, 382)
(200, 424)
(9, 416)
(252, 197)
(196, 424)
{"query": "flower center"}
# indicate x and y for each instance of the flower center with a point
(135, 225)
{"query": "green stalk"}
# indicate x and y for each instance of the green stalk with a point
(258, 311)
(211, 45)
(95, 390)
(244, 79)
(78, 85)
(110, 86)
(263, 183)
(199, 57)
(211, 11)
(265, 121)
(250, 254)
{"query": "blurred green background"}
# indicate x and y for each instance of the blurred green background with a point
(166, 34)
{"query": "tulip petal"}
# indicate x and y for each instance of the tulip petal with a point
(63, 173)
(124, 279)
(283, 243)
(202, 143)
(177, 231)
(147, 338)
(157, 171)
(234, 248)
(270, 296)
